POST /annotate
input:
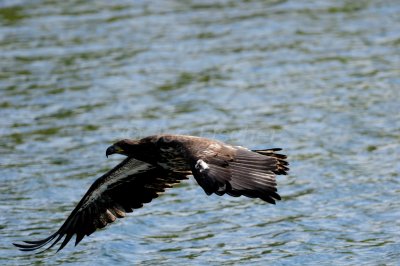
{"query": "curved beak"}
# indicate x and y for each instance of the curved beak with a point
(113, 149)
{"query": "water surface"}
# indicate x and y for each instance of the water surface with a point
(317, 78)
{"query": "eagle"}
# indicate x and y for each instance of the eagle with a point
(158, 162)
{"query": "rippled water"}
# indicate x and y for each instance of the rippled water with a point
(320, 79)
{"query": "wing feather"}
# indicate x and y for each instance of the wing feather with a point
(237, 171)
(126, 187)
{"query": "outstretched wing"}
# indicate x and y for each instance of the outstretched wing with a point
(127, 186)
(237, 171)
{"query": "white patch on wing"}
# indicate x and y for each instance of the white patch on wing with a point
(131, 167)
(201, 166)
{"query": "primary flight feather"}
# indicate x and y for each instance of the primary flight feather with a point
(156, 163)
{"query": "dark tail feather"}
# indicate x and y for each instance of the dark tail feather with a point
(282, 165)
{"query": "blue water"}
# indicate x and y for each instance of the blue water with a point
(320, 79)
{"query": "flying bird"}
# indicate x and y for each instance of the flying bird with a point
(158, 162)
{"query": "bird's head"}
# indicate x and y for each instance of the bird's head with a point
(124, 147)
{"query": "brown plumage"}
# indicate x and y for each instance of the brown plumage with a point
(156, 163)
